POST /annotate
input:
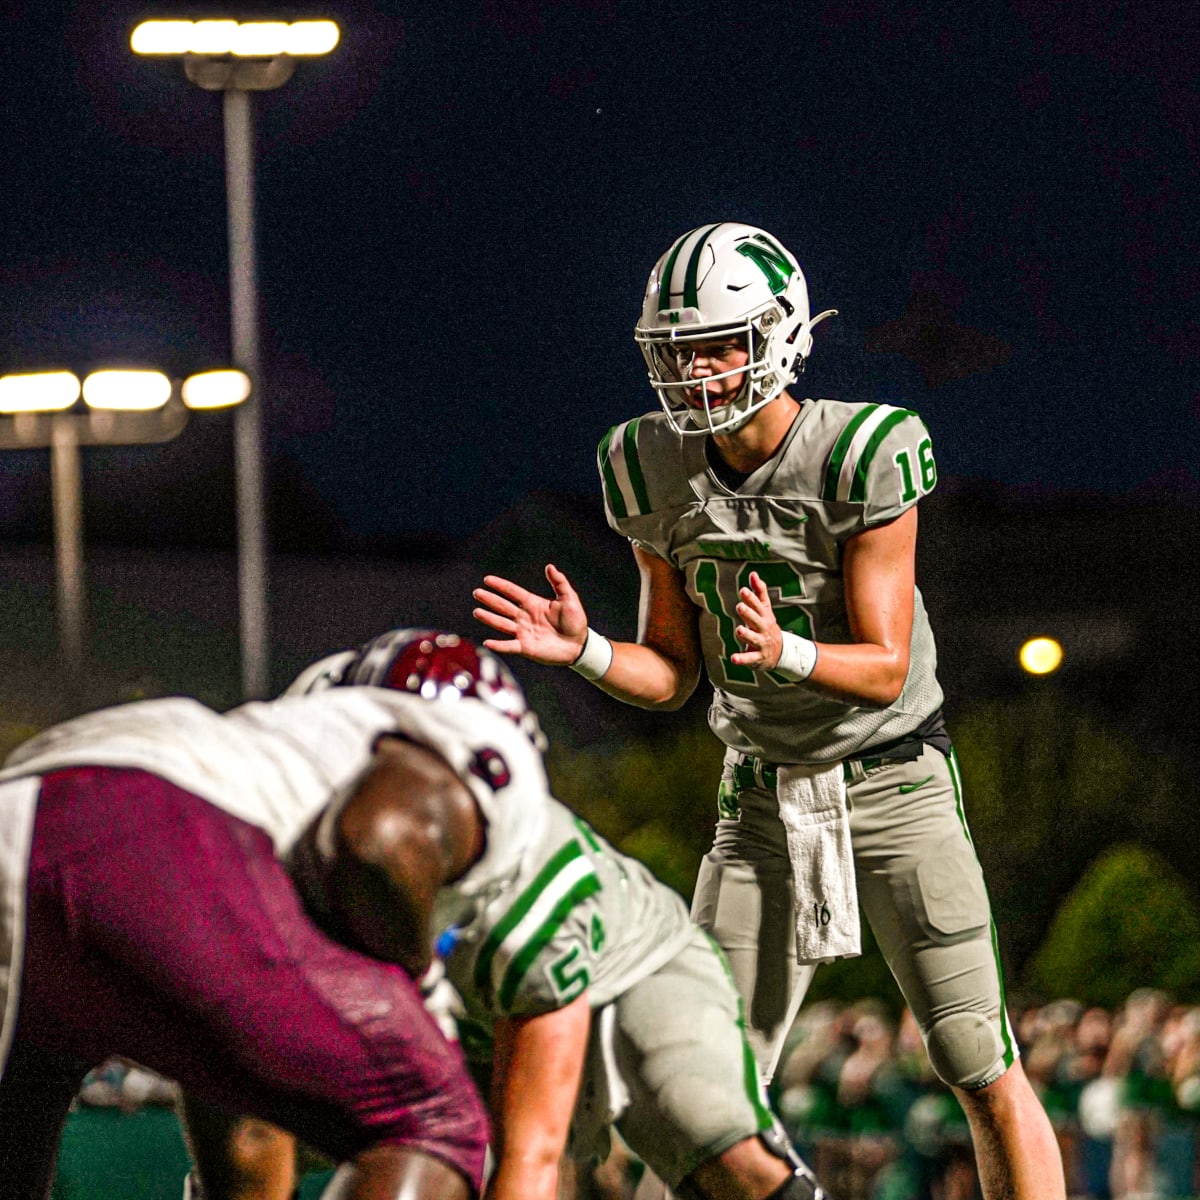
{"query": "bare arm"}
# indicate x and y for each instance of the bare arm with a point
(879, 577)
(538, 1066)
(410, 827)
(659, 670)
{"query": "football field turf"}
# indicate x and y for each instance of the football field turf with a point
(108, 1154)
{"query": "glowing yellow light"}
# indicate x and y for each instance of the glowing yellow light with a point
(261, 39)
(131, 390)
(162, 37)
(312, 37)
(248, 39)
(1041, 656)
(42, 391)
(213, 37)
(216, 389)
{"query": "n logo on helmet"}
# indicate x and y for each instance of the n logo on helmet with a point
(770, 259)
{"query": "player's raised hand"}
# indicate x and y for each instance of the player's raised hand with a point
(759, 631)
(546, 629)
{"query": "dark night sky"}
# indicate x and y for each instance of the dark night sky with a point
(458, 210)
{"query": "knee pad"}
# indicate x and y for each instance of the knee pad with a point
(966, 1050)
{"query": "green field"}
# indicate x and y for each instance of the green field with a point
(108, 1154)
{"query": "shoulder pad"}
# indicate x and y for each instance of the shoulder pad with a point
(626, 459)
(855, 458)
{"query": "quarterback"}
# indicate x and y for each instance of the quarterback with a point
(775, 540)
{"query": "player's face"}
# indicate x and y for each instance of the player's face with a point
(704, 361)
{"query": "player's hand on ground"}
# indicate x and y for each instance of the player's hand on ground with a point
(546, 629)
(759, 631)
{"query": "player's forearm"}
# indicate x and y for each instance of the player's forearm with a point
(525, 1177)
(640, 675)
(860, 673)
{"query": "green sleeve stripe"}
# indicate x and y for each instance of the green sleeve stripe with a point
(612, 493)
(566, 874)
(633, 465)
(588, 834)
(621, 468)
(840, 449)
(589, 885)
(858, 488)
(691, 297)
(519, 910)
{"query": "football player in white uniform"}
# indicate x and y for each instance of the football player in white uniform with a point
(590, 997)
(147, 913)
(775, 538)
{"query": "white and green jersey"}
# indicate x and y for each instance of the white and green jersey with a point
(579, 916)
(841, 469)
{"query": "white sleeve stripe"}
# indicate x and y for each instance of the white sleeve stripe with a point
(539, 912)
(620, 471)
(862, 435)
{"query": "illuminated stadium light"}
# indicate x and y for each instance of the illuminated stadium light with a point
(216, 389)
(38, 392)
(1041, 656)
(241, 39)
(126, 391)
(238, 58)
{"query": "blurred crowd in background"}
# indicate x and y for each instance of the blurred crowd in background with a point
(857, 1094)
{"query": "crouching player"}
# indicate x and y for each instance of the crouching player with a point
(598, 1001)
(146, 913)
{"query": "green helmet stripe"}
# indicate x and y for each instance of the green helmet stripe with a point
(691, 298)
(858, 488)
(664, 283)
(840, 449)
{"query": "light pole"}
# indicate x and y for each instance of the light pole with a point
(237, 58)
(119, 408)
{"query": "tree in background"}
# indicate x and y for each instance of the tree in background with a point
(1131, 922)
(1047, 790)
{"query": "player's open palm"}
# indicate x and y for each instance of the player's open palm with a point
(545, 629)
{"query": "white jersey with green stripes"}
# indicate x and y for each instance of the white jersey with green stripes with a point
(579, 916)
(842, 468)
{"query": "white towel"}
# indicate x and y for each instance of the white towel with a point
(812, 806)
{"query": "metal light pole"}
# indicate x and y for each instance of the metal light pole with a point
(120, 408)
(247, 424)
(237, 58)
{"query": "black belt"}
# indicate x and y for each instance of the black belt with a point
(749, 769)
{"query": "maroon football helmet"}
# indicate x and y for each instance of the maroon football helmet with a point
(433, 664)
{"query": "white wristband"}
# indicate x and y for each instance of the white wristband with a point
(595, 658)
(797, 658)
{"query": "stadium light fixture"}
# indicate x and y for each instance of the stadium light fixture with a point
(215, 389)
(120, 407)
(236, 58)
(1040, 656)
(38, 392)
(126, 391)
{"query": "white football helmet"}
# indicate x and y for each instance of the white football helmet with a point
(722, 281)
